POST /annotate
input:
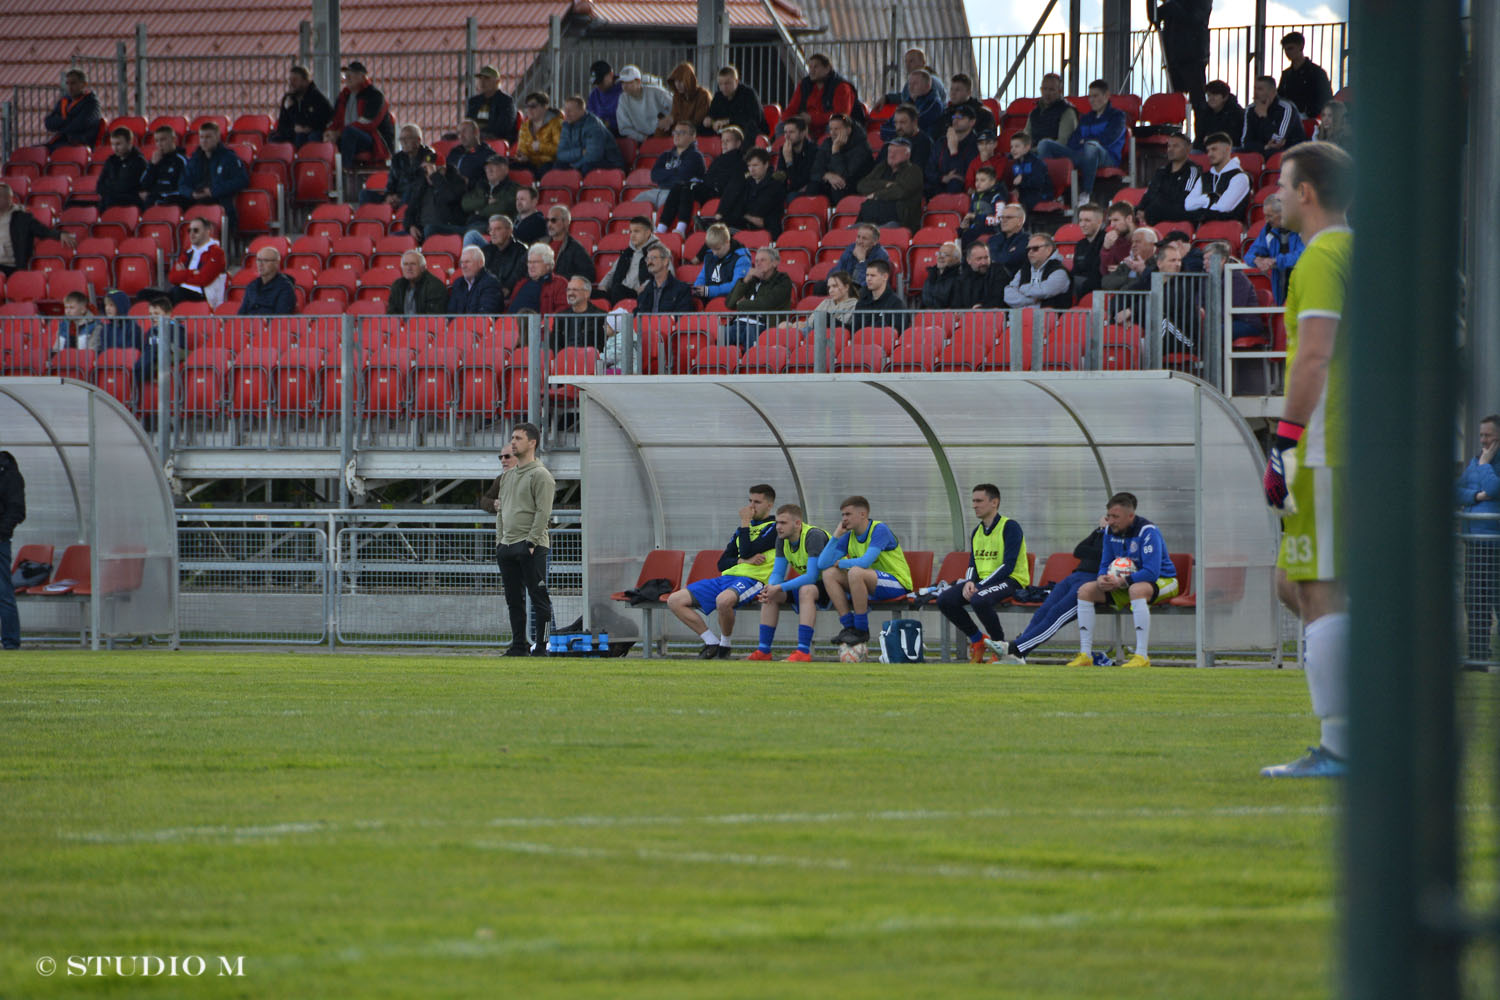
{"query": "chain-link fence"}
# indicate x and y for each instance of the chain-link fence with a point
(357, 577)
(1479, 540)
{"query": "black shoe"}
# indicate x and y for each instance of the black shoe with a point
(514, 650)
(710, 651)
(848, 637)
(724, 653)
(856, 636)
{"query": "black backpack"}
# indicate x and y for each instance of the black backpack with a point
(30, 574)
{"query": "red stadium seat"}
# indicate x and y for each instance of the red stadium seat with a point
(73, 362)
(313, 172)
(330, 220)
(252, 126)
(384, 390)
(917, 351)
(854, 357)
(764, 358)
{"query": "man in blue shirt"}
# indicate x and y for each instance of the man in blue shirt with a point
(272, 293)
(1098, 141)
(862, 563)
(794, 580)
(1478, 492)
(1275, 250)
(1152, 581)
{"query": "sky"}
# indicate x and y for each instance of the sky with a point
(1015, 17)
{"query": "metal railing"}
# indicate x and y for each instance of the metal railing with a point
(347, 577)
(1479, 560)
(430, 88)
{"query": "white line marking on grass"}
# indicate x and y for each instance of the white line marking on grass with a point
(763, 861)
(273, 831)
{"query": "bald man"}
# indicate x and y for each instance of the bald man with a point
(272, 293)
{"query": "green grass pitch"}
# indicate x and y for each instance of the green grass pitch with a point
(381, 826)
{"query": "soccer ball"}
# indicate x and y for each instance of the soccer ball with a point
(1121, 568)
(853, 654)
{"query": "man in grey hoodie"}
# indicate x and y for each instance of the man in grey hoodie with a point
(523, 509)
(642, 105)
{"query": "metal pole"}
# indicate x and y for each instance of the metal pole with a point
(1214, 340)
(1075, 34)
(1152, 331)
(1200, 615)
(898, 66)
(554, 50)
(820, 342)
(1252, 53)
(1482, 352)
(326, 46)
(7, 127)
(1401, 936)
(304, 42)
(141, 102)
(93, 529)
(122, 77)
(627, 354)
(1116, 42)
(1260, 42)
(536, 374)
(165, 370)
(471, 62)
(348, 344)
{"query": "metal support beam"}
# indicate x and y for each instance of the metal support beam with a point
(1401, 936)
(304, 43)
(1015, 65)
(471, 62)
(554, 60)
(1116, 61)
(713, 37)
(1259, 40)
(327, 53)
(1482, 348)
(122, 75)
(140, 69)
(1075, 56)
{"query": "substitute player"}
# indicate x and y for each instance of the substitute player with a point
(862, 563)
(1316, 187)
(998, 567)
(795, 581)
(1154, 580)
(745, 567)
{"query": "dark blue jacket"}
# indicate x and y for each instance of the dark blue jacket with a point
(1477, 479)
(76, 122)
(1028, 176)
(1143, 545)
(587, 145)
(163, 179)
(279, 298)
(673, 167)
(943, 162)
(1009, 252)
(674, 297)
(1107, 128)
(485, 298)
(470, 162)
(223, 174)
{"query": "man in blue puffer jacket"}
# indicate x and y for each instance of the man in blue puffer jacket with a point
(1478, 492)
(1098, 141)
(585, 142)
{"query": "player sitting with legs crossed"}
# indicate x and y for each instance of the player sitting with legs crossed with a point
(1152, 581)
(862, 563)
(794, 580)
(998, 567)
(745, 566)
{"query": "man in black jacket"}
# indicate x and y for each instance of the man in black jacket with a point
(271, 293)
(1086, 251)
(504, 255)
(475, 292)
(305, 112)
(406, 168)
(737, 104)
(436, 205)
(981, 285)
(665, 292)
(1221, 113)
(163, 178)
(1272, 124)
(12, 513)
(1184, 43)
(794, 164)
(961, 94)
(879, 305)
(569, 256)
(124, 173)
(1170, 184)
(842, 161)
(492, 107)
(940, 290)
(75, 118)
(25, 230)
(1303, 82)
(757, 200)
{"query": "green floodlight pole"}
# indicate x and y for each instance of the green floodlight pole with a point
(1402, 933)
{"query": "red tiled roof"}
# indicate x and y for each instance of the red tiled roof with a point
(684, 13)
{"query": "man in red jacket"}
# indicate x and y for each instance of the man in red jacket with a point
(364, 126)
(822, 94)
(199, 275)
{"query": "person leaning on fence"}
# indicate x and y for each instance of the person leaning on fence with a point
(491, 107)
(585, 143)
(418, 292)
(22, 230)
(757, 297)
(998, 569)
(1478, 492)
(523, 511)
(362, 121)
(682, 201)
(271, 293)
(75, 119)
(163, 328)
(305, 112)
(12, 513)
(123, 175)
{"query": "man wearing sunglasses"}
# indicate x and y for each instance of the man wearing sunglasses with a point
(1043, 280)
(199, 275)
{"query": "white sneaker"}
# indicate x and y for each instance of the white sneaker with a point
(1001, 650)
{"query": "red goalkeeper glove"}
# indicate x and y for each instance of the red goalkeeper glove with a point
(1281, 467)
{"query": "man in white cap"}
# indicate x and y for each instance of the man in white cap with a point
(642, 105)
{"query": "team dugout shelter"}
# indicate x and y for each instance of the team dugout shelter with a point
(98, 509)
(667, 462)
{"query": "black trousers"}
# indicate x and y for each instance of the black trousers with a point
(985, 603)
(1481, 594)
(683, 200)
(522, 576)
